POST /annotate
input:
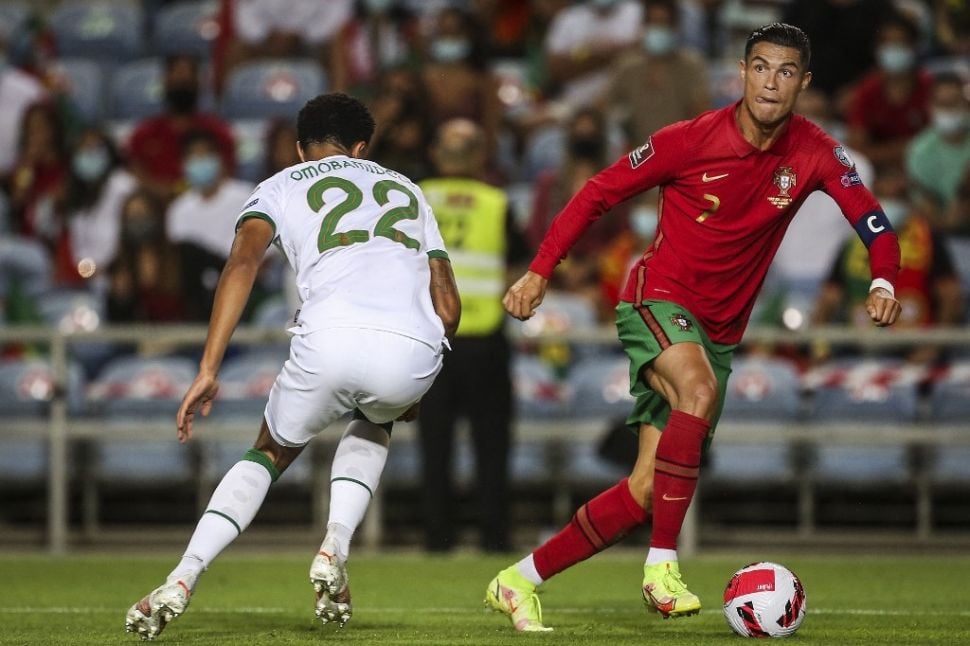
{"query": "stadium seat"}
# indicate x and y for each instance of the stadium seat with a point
(187, 28)
(245, 382)
(27, 387)
(264, 89)
(83, 81)
(876, 394)
(97, 29)
(539, 393)
(250, 137)
(585, 469)
(950, 404)
(153, 462)
(762, 388)
(601, 388)
(749, 464)
(136, 89)
(140, 387)
(870, 390)
(73, 311)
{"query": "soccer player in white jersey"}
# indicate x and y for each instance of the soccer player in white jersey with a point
(379, 303)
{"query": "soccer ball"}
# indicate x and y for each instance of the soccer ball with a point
(764, 600)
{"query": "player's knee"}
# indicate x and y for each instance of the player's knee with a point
(700, 398)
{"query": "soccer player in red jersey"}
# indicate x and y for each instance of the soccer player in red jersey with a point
(731, 180)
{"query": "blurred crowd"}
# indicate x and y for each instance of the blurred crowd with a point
(134, 207)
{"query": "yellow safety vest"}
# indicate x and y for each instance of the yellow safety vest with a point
(471, 216)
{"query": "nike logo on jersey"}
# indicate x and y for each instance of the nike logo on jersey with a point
(669, 499)
(705, 178)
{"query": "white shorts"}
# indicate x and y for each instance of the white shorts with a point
(331, 372)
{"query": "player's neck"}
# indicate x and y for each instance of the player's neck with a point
(316, 152)
(761, 136)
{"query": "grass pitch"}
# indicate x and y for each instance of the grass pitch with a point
(413, 599)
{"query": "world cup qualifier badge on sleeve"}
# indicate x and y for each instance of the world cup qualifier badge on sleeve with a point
(641, 154)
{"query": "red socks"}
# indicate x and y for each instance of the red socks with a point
(596, 525)
(675, 475)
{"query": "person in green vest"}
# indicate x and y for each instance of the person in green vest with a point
(484, 243)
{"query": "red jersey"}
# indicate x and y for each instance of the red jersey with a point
(724, 208)
(156, 144)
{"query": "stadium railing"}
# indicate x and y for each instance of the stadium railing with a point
(61, 428)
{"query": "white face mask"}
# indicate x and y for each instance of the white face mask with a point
(950, 122)
(659, 40)
(895, 58)
(643, 221)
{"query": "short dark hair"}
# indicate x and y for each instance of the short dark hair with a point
(334, 118)
(200, 135)
(784, 35)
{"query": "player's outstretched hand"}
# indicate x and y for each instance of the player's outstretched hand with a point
(199, 398)
(525, 295)
(882, 307)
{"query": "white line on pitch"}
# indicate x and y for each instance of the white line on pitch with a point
(269, 610)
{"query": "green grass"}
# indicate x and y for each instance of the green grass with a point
(412, 599)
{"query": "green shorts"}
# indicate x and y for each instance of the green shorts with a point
(647, 331)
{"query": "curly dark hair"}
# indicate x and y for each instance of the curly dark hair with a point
(334, 118)
(784, 35)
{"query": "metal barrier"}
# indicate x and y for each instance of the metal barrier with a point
(60, 429)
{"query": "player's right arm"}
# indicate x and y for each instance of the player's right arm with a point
(652, 164)
(235, 284)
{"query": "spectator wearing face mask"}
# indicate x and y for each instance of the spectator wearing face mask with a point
(892, 104)
(155, 147)
(584, 40)
(381, 35)
(586, 154)
(201, 222)
(456, 76)
(927, 287)
(144, 278)
(938, 161)
(96, 189)
(647, 89)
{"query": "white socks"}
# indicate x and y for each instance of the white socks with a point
(659, 555)
(527, 568)
(356, 472)
(232, 507)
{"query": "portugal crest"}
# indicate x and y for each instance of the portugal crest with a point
(681, 321)
(785, 181)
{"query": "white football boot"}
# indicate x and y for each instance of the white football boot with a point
(149, 616)
(328, 574)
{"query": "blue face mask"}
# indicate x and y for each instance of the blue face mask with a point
(202, 171)
(895, 210)
(90, 164)
(450, 50)
(895, 58)
(659, 40)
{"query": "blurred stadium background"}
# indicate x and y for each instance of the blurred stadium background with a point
(831, 435)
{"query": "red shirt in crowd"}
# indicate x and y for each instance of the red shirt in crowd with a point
(156, 144)
(872, 111)
(724, 208)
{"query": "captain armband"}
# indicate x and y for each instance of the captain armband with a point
(871, 225)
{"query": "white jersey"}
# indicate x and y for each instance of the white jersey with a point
(359, 237)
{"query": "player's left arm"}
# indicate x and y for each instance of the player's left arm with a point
(235, 284)
(841, 181)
